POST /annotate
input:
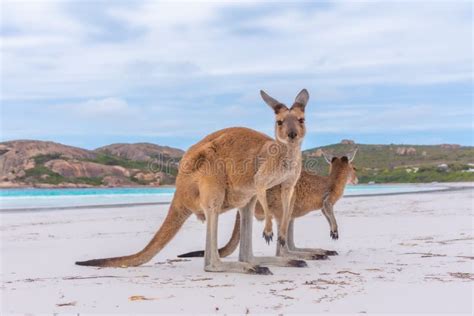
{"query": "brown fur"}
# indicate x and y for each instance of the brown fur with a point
(311, 189)
(221, 172)
(310, 193)
(289, 130)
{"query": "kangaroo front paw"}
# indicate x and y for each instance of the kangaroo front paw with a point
(282, 241)
(260, 270)
(268, 236)
(331, 253)
(334, 235)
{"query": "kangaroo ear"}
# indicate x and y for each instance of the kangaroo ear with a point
(301, 100)
(327, 157)
(274, 104)
(353, 154)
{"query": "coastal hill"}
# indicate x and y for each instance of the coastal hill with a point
(400, 163)
(31, 163)
(48, 164)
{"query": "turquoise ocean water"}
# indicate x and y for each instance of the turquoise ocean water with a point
(29, 198)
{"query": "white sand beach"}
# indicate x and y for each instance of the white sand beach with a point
(399, 253)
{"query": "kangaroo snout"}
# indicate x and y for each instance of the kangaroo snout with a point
(292, 134)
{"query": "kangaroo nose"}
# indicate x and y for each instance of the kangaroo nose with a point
(292, 134)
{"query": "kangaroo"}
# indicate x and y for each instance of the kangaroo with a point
(312, 192)
(226, 170)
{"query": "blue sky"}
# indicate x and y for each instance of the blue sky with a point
(90, 73)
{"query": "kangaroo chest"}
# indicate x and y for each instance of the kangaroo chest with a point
(287, 171)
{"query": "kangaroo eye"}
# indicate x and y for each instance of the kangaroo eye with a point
(279, 122)
(301, 120)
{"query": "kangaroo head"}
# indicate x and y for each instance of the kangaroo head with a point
(289, 123)
(343, 165)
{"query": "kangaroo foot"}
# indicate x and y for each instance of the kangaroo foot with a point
(316, 251)
(305, 255)
(237, 267)
(279, 261)
(260, 270)
(319, 257)
(298, 263)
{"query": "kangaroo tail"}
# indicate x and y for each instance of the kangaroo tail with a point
(176, 217)
(225, 251)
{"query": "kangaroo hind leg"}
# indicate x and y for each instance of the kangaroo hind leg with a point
(291, 251)
(212, 198)
(315, 251)
(246, 252)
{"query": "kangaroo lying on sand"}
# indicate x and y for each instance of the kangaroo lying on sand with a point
(312, 192)
(226, 170)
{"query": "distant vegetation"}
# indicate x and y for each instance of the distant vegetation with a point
(158, 163)
(42, 174)
(402, 163)
(424, 174)
(42, 159)
(110, 160)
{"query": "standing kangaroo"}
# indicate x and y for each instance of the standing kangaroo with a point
(312, 192)
(226, 170)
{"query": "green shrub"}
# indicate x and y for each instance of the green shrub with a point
(35, 175)
(96, 181)
(110, 160)
(43, 158)
(424, 174)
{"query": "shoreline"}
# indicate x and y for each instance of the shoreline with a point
(167, 186)
(126, 205)
(164, 186)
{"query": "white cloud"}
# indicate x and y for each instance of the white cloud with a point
(158, 15)
(51, 54)
(389, 118)
(38, 17)
(107, 107)
(168, 61)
